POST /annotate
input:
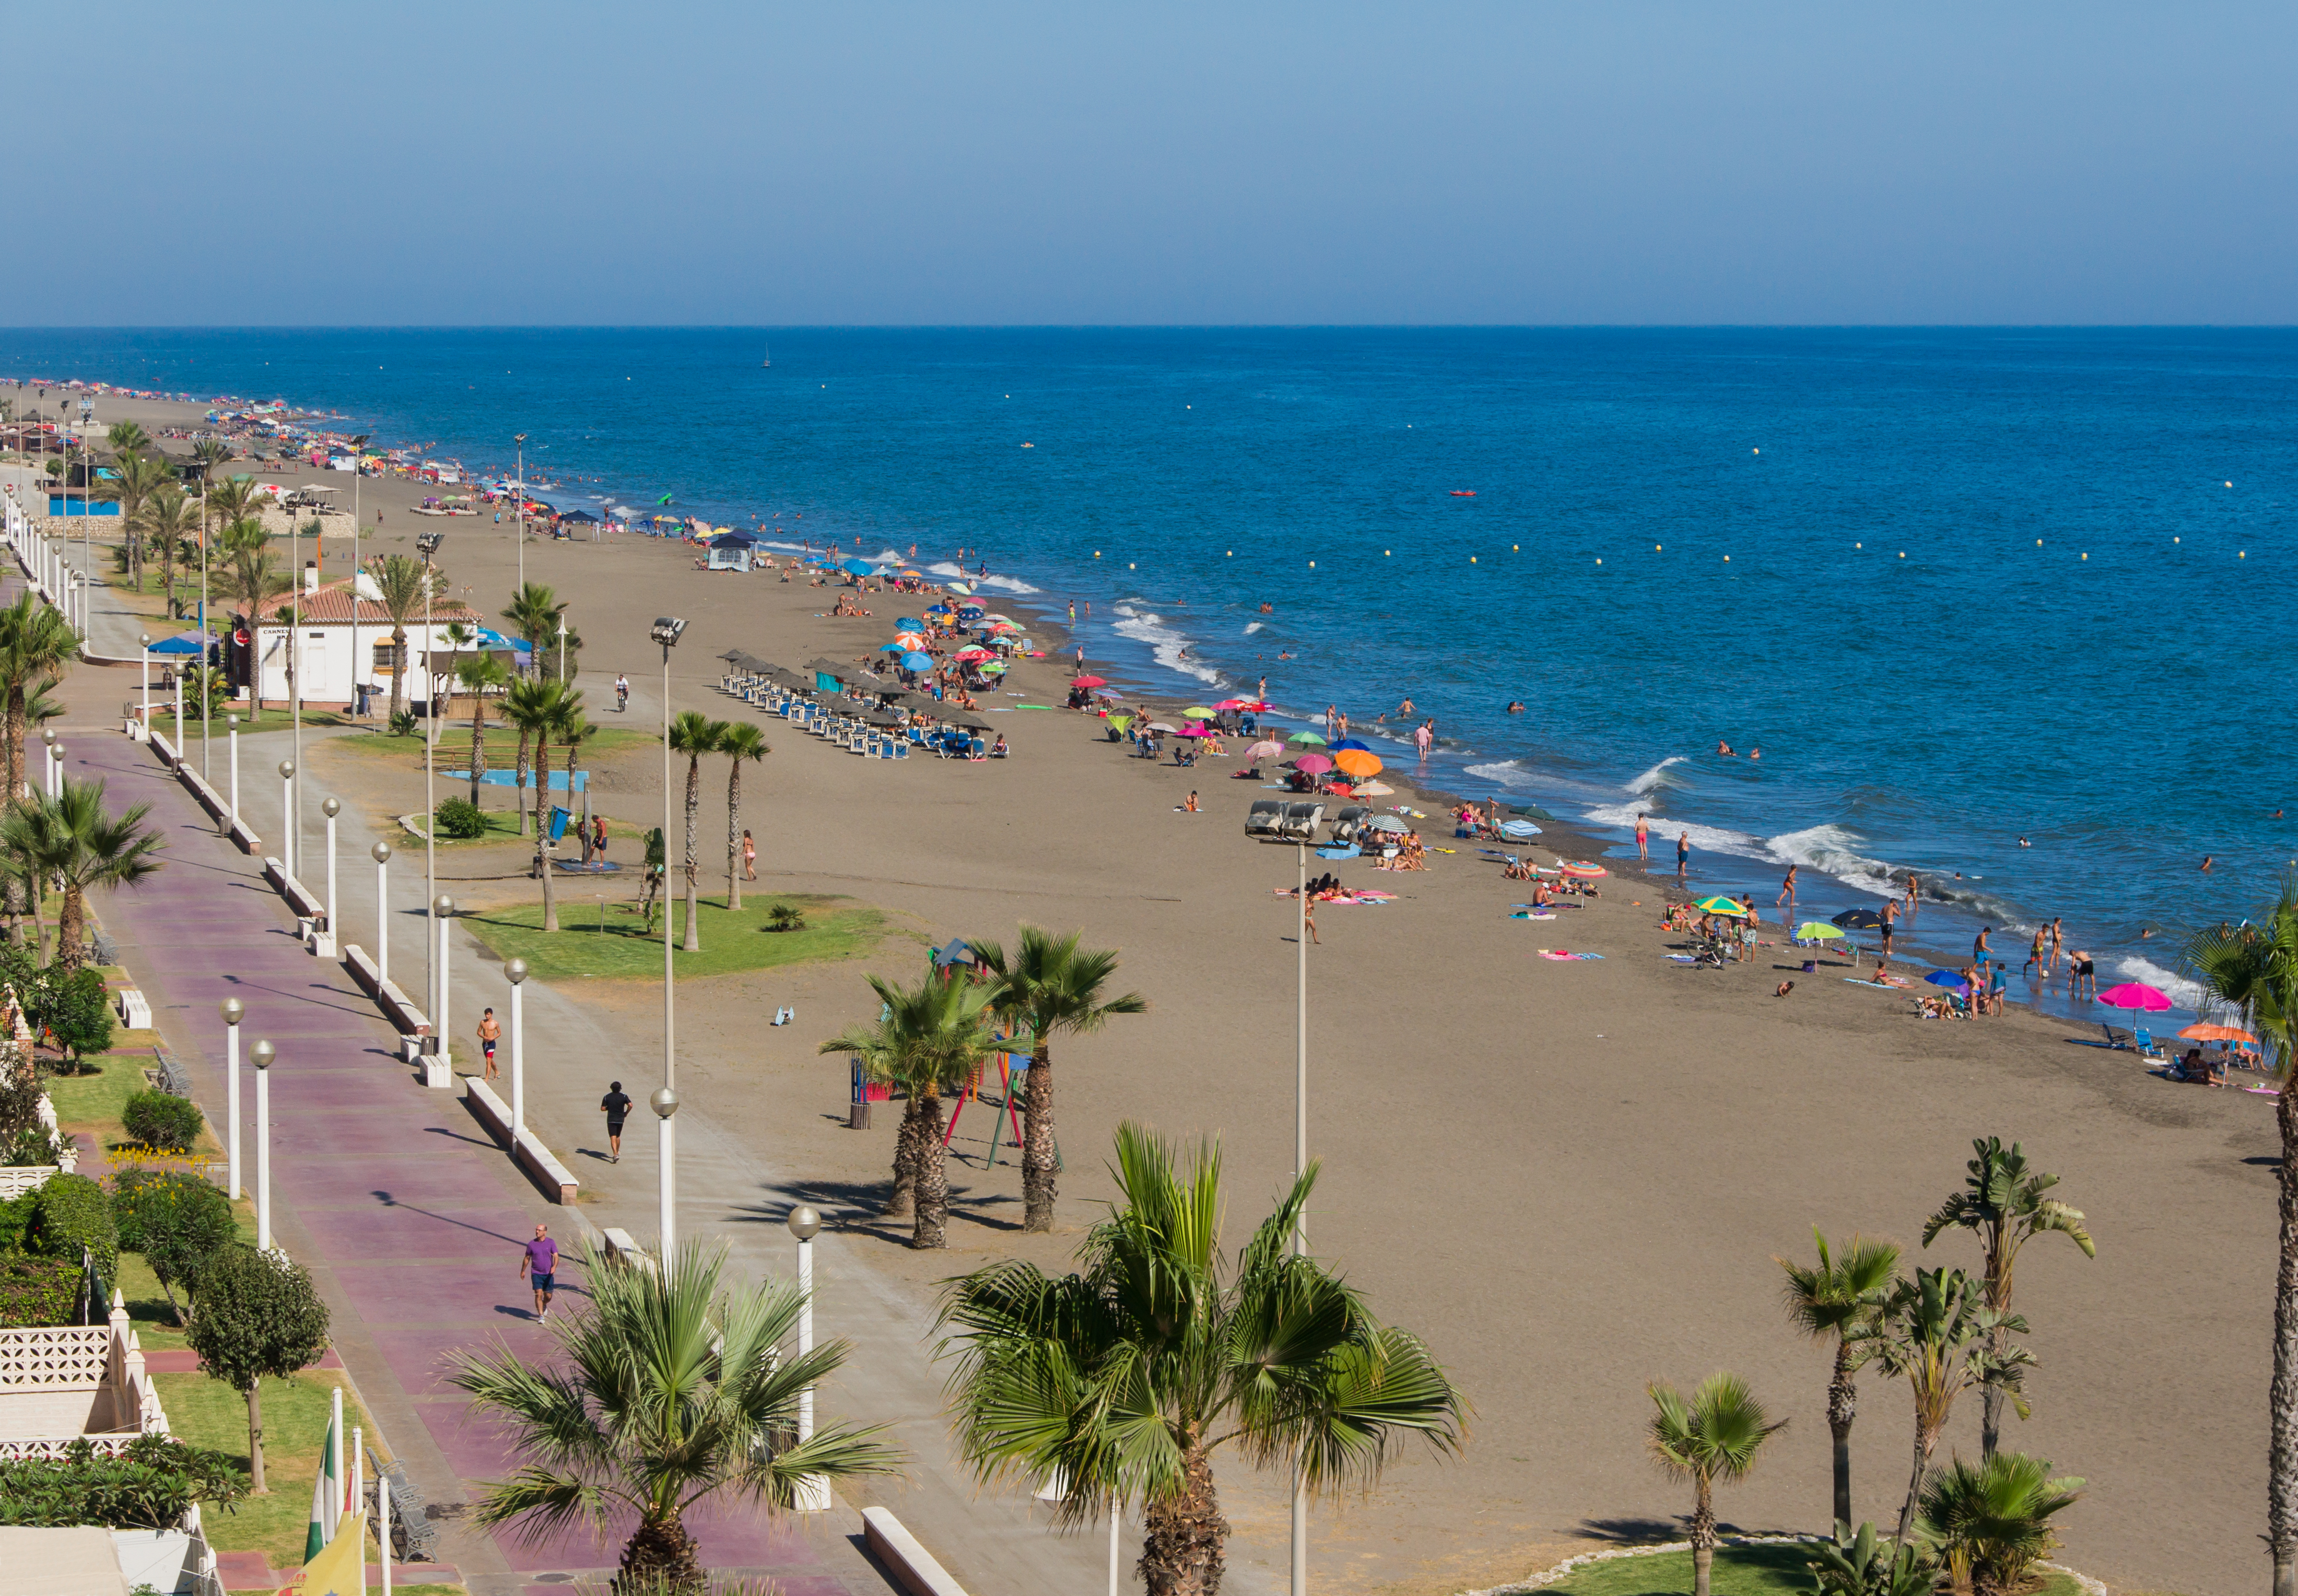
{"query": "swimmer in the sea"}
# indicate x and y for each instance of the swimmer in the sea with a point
(2206, 862)
(1723, 747)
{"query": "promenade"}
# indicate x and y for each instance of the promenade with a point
(412, 1220)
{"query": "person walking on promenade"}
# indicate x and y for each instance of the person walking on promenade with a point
(616, 1106)
(539, 1265)
(490, 1033)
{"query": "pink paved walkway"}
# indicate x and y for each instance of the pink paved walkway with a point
(406, 1212)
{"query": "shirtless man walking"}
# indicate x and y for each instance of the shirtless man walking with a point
(1643, 841)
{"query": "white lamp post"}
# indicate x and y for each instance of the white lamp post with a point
(325, 944)
(179, 716)
(287, 816)
(261, 1055)
(48, 770)
(813, 1494)
(143, 665)
(234, 1012)
(443, 909)
(231, 724)
(381, 853)
(665, 1104)
(56, 772)
(515, 972)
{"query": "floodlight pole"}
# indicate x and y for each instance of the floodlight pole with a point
(234, 1012)
(381, 854)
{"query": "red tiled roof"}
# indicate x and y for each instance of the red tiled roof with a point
(333, 606)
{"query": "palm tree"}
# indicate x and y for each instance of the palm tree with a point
(1837, 1301)
(739, 741)
(482, 673)
(234, 500)
(931, 1042)
(693, 734)
(1051, 988)
(126, 438)
(539, 710)
(676, 1386)
(1123, 1380)
(134, 479)
(71, 838)
(35, 645)
(533, 614)
(2002, 1204)
(1711, 1439)
(1933, 1332)
(254, 578)
(2252, 969)
(1992, 1520)
(409, 587)
(168, 520)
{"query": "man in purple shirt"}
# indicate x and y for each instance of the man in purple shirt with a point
(540, 1256)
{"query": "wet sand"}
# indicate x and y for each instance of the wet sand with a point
(1570, 1178)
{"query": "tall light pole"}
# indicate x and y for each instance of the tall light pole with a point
(813, 1493)
(443, 910)
(179, 716)
(234, 1012)
(144, 667)
(48, 770)
(287, 816)
(207, 687)
(514, 973)
(1301, 833)
(518, 513)
(381, 853)
(231, 723)
(331, 808)
(261, 1055)
(426, 545)
(666, 632)
(56, 772)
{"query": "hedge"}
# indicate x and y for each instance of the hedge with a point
(150, 1487)
(37, 1292)
(162, 1121)
(72, 1212)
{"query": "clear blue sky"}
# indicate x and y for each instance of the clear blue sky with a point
(989, 163)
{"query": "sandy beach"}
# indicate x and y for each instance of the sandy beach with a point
(1569, 1177)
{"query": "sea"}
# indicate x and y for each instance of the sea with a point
(2010, 608)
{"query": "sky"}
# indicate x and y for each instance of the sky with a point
(994, 164)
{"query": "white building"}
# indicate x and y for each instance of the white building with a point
(330, 667)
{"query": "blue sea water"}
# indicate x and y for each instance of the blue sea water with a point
(2011, 608)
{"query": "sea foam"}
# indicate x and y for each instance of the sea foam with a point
(1165, 644)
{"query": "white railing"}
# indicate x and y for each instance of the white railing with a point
(16, 1179)
(105, 1361)
(54, 1356)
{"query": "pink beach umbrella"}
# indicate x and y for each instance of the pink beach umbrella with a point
(2136, 995)
(970, 655)
(1264, 750)
(1315, 765)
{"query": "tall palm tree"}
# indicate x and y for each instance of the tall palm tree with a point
(71, 838)
(693, 734)
(253, 578)
(1838, 1300)
(533, 614)
(1711, 1439)
(2002, 1203)
(168, 520)
(931, 1042)
(408, 587)
(539, 710)
(126, 438)
(481, 674)
(1052, 987)
(35, 644)
(1933, 1333)
(2253, 968)
(741, 742)
(1125, 1379)
(1991, 1521)
(134, 478)
(233, 500)
(675, 1386)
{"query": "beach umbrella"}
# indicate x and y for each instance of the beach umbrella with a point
(1119, 722)
(2216, 1033)
(1358, 762)
(1949, 979)
(1584, 872)
(1107, 692)
(1314, 765)
(1376, 790)
(941, 609)
(1859, 920)
(1190, 732)
(909, 623)
(1088, 682)
(857, 568)
(1812, 930)
(917, 661)
(1264, 750)
(894, 648)
(996, 667)
(2136, 995)
(1310, 737)
(1386, 822)
(1719, 906)
(959, 587)
(1200, 712)
(1350, 742)
(1255, 705)
(970, 655)
(915, 636)
(1159, 726)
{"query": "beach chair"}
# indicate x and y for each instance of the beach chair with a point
(2143, 1040)
(1266, 818)
(2116, 1037)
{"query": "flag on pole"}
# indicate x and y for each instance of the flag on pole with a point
(341, 1568)
(326, 1488)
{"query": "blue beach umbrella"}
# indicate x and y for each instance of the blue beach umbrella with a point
(917, 661)
(890, 649)
(1351, 742)
(1949, 979)
(184, 643)
(858, 567)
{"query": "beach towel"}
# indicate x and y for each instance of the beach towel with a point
(1879, 986)
(1679, 958)
(1533, 914)
(1561, 955)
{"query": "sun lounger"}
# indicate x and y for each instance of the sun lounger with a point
(2116, 1037)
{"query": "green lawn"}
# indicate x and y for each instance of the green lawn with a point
(209, 1413)
(836, 927)
(94, 1103)
(147, 1299)
(1739, 1571)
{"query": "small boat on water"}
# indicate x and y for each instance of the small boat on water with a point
(1464, 493)
(770, 356)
